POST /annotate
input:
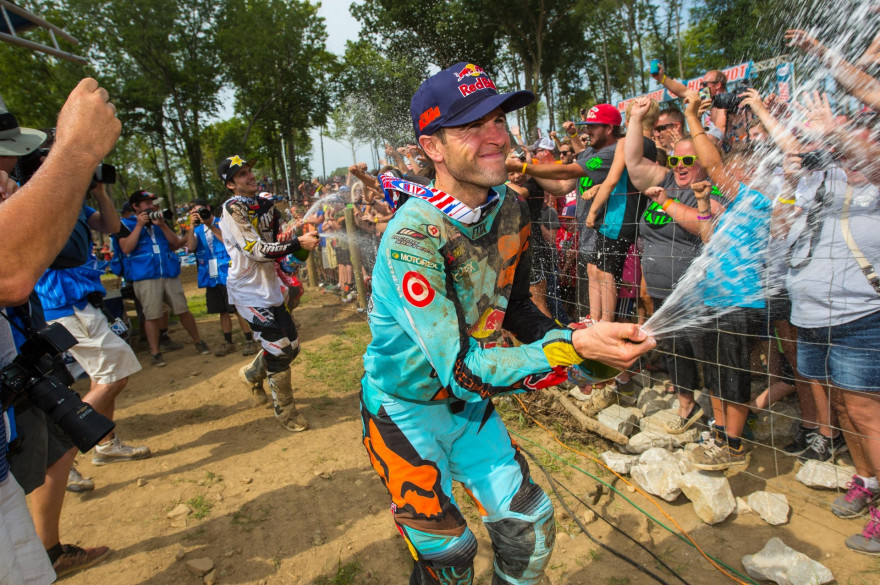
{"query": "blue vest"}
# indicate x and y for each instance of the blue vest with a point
(145, 263)
(204, 253)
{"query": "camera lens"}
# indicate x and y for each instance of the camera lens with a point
(205, 214)
(77, 419)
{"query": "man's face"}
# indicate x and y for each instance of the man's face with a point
(713, 82)
(474, 154)
(685, 175)
(599, 135)
(664, 131)
(566, 153)
(244, 182)
(757, 133)
(142, 206)
(568, 224)
(545, 156)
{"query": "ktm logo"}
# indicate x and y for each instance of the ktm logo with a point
(428, 116)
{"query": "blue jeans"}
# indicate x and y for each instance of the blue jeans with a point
(846, 355)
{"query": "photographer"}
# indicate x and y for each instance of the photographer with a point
(149, 261)
(212, 261)
(87, 129)
(72, 294)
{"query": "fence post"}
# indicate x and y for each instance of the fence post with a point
(355, 252)
(312, 264)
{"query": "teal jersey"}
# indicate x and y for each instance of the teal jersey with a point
(442, 291)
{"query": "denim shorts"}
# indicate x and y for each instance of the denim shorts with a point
(847, 355)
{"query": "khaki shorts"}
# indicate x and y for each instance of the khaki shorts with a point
(328, 257)
(23, 559)
(152, 292)
(104, 356)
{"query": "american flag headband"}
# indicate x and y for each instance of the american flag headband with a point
(439, 199)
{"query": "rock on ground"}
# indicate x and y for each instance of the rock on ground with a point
(659, 477)
(783, 565)
(620, 418)
(199, 567)
(711, 495)
(817, 474)
(618, 462)
(773, 508)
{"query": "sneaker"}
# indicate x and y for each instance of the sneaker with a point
(712, 456)
(225, 348)
(250, 348)
(580, 396)
(202, 348)
(681, 424)
(822, 448)
(116, 450)
(868, 542)
(78, 483)
(856, 499)
(157, 360)
(801, 441)
(350, 297)
(75, 559)
(166, 344)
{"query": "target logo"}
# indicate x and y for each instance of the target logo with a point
(417, 290)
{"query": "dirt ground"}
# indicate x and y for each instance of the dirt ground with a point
(271, 507)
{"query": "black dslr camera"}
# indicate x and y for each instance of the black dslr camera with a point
(33, 373)
(204, 215)
(730, 100)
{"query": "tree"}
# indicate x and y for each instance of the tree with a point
(274, 56)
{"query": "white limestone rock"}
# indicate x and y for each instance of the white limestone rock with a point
(742, 507)
(660, 478)
(818, 474)
(711, 495)
(619, 462)
(620, 418)
(771, 507)
(783, 565)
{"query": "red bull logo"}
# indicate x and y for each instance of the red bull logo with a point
(490, 322)
(467, 89)
(470, 70)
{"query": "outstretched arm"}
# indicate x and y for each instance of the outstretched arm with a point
(642, 172)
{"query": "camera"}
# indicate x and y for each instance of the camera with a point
(204, 214)
(33, 374)
(817, 160)
(726, 101)
(160, 215)
(29, 164)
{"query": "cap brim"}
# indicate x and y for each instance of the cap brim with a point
(508, 102)
(28, 141)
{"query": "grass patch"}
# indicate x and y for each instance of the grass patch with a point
(197, 305)
(201, 508)
(345, 574)
(247, 517)
(338, 365)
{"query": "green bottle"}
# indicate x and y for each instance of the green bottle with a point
(594, 372)
(302, 255)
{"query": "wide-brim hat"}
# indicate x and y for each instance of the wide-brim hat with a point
(15, 140)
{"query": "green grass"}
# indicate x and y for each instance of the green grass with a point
(247, 517)
(201, 508)
(332, 364)
(197, 305)
(345, 574)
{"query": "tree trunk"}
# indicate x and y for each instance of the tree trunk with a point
(167, 163)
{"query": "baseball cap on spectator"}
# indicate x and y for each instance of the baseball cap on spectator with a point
(15, 140)
(546, 144)
(126, 208)
(231, 165)
(569, 210)
(460, 95)
(603, 114)
(139, 196)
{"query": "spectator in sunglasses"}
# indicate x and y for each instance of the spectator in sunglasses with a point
(669, 129)
(670, 235)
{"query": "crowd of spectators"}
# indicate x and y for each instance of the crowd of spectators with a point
(781, 198)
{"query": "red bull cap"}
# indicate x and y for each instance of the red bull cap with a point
(460, 95)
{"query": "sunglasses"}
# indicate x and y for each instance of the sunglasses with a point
(663, 127)
(687, 161)
(705, 83)
(565, 152)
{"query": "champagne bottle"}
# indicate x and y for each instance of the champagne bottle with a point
(593, 372)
